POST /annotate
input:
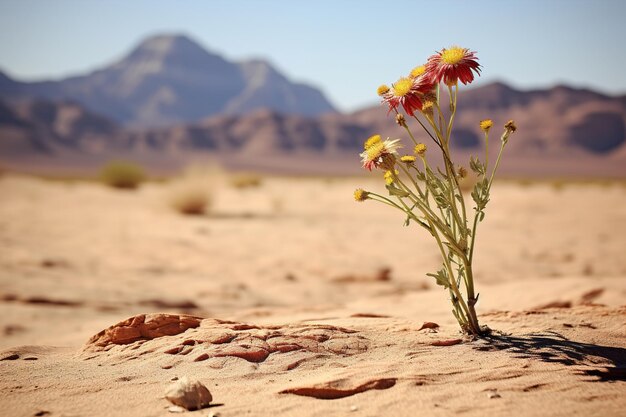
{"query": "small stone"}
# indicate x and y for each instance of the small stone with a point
(429, 325)
(189, 394)
(176, 409)
(492, 394)
(354, 408)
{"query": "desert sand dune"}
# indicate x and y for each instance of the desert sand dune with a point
(291, 299)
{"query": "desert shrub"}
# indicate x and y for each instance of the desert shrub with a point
(122, 174)
(190, 197)
(193, 192)
(246, 180)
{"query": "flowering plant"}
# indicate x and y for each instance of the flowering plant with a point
(431, 197)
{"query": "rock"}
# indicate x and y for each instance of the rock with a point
(340, 387)
(189, 394)
(449, 342)
(493, 394)
(428, 325)
(175, 409)
(142, 327)
(212, 338)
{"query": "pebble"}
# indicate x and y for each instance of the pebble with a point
(176, 409)
(189, 394)
(493, 394)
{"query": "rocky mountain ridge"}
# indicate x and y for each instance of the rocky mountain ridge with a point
(169, 79)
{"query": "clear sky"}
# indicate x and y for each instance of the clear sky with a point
(345, 47)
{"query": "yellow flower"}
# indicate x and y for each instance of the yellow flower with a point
(420, 149)
(427, 107)
(361, 195)
(371, 141)
(390, 176)
(382, 90)
(417, 71)
(408, 159)
(379, 153)
(453, 56)
(402, 86)
(486, 124)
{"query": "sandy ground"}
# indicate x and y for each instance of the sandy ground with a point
(312, 303)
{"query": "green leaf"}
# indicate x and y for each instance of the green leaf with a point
(477, 166)
(441, 277)
(393, 190)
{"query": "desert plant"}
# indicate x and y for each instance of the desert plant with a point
(432, 197)
(190, 197)
(244, 180)
(122, 174)
(193, 191)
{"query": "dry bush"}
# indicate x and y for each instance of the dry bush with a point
(122, 174)
(194, 191)
(246, 180)
(190, 198)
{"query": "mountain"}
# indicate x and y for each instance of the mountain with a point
(561, 131)
(45, 128)
(169, 79)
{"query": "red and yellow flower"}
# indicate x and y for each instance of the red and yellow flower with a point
(407, 92)
(379, 152)
(452, 65)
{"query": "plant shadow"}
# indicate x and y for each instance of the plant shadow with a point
(555, 348)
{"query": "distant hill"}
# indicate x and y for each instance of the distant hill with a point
(561, 131)
(170, 79)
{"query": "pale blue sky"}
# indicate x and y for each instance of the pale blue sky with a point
(345, 47)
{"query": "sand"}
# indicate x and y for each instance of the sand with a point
(291, 299)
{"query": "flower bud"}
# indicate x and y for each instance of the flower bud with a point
(420, 149)
(361, 195)
(509, 128)
(408, 159)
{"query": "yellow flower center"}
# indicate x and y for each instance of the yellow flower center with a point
(361, 195)
(372, 141)
(402, 86)
(408, 159)
(375, 150)
(452, 56)
(486, 124)
(382, 90)
(390, 176)
(417, 71)
(420, 149)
